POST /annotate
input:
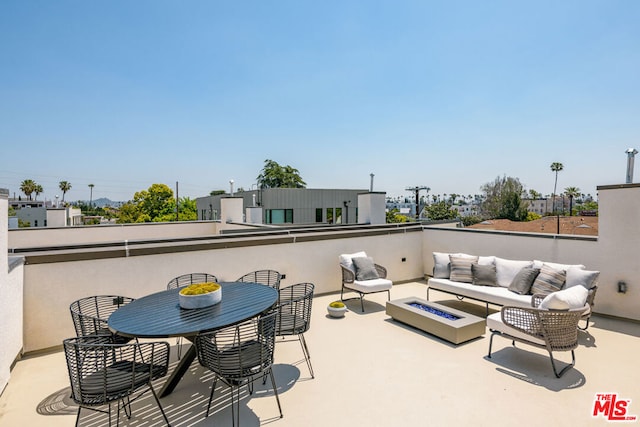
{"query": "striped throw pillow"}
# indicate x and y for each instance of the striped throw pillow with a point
(549, 280)
(461, 268)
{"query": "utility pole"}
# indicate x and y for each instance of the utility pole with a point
(417, 189)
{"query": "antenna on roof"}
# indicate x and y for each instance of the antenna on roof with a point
(631, 152)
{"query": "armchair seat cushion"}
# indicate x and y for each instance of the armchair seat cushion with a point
(367, 286)
(495, 323)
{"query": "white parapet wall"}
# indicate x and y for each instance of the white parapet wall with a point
(11, 299)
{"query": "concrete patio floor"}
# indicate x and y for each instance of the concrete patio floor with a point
(373, 371)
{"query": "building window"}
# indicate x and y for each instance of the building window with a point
(338, 215)
(279, 216)
(330, 215)
(318, 214)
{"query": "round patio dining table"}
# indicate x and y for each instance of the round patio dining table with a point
(159, 315)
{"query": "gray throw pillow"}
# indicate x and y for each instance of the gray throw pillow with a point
(461, 268)
(521, 284)
(365, 268)
(484, 275)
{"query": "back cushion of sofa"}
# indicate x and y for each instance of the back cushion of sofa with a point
(441, 264)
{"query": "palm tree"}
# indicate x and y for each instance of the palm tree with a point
(91, 196)
(571, 192)
(555, 167)
(64, 187)
(28, 186)
(38, 190)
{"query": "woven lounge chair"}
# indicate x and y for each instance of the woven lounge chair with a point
(369, 279)
(551, 330)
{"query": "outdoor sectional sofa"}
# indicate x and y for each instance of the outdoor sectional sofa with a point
(504, 282)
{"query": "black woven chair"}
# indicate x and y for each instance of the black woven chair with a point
(264, 277)
(186, 280)
(190, 279)
(102, 373)
(91, 314)
(238, 355)
(294, 315)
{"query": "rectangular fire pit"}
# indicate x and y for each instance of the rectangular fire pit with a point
(447, 323)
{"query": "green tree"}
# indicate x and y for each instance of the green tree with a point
(64, 187)
(217, 192)
(274, 175)
(28, 187)
(572, 192)
(156, 204)
(555, 167)
(393, 217)
(503, 199)
(440, 210)
(187, 210)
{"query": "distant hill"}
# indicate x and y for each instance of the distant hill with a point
(102, 202)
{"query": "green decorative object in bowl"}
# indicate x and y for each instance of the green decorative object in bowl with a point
(200, 295)
(336, 309)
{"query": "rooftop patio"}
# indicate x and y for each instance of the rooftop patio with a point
(371, 370)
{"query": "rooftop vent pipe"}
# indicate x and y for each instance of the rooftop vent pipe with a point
(631, 152)
(371, 186)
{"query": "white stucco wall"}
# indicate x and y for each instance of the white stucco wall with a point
(50, 288)
(11, 301)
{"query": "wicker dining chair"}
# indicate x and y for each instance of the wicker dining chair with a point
(294, 315)
(551, 330)
(239, 355)
(265, 277)
(90, 315)
(102, 373)
(186, 280)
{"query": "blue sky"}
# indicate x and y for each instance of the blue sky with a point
(449, 95)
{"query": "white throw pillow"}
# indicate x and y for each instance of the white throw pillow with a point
(577, 276)
(346, 260)
(507, 269)
(574, 297)
(487, 260)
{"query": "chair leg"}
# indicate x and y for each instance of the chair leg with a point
(213, 387)
(361, 302)
(586, 326)
(490, 344)
(155, 396)
(305, 350)
(78, 416)
(566, 368)
(275, 390)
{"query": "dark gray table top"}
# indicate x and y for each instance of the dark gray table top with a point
(159, 315)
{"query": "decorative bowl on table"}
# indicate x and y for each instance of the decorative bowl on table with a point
(200, 295)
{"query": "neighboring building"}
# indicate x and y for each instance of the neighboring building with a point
(291, 205)
(47, 217)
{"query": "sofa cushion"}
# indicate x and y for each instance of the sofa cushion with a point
(484, 275)
(507, 269)
(495, 323)
(346, 260)
(549, 280)
(521, 284)
(538, 264)
(365, 268)
(461, 268)
(578, 276)
(366, 286)
(566, 299)
(493, 294)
